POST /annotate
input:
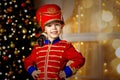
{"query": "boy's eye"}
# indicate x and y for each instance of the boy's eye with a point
(57, 24)
(49, 25)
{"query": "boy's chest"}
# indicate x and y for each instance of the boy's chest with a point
(51, 52)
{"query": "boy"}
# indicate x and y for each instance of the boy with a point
(49, 62)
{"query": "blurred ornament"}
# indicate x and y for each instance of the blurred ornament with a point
(4, 16)
(19, 32)
(30, 49)
(16, 21)
(20, 71)
(5, 10)
(13, 77)
(24, 36)
(19, 61)
(23, 48)
(12, 45)
(9, 56)
(24, 30)
(20, 25)
(5, 58)
(16, 6)
(16, 51)
(23, 58)
(34, 19)
(20, 14)
(118, 68)
(6, 51)
(27, 16)
(114, 63)
(5, 3)
(1, 30)
(30, 22)
(23, 4)
(13, 23)
(107, 16)
(32, 43)
(10, 2)
(33, 29)
(23, 19)
(14, 65)
(9, 20)
(16, 38)
(116, 43)
(117, 52)
(25, 10)
(3, 47)
(28, 1)
(26, 21)
(10, 9)
(20, 66)
(10, 73)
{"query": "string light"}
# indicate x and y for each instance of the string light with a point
(16, 22)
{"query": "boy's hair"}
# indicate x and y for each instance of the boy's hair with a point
(61, 22)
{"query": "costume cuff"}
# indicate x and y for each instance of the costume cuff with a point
(68, 71)
(31, 69)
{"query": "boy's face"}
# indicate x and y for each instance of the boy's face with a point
(53, 30)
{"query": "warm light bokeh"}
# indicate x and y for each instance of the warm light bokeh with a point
(96, 24)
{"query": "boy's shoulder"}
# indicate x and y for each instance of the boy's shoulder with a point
(65, 42)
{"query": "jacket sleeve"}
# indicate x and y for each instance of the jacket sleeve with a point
(29, 61)
(76, 60)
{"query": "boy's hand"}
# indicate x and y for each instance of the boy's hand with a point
(35, 73)
(62, 74)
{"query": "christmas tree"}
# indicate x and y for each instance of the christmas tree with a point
(18, 28)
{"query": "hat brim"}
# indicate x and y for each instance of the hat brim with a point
(54, 20)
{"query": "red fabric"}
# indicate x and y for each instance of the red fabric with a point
(51, 59)
(48, 13)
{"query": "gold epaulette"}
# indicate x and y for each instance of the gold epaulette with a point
(65, 42)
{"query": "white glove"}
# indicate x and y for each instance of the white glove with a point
(35, 73)
(62, 74)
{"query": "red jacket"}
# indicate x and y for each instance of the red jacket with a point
(52, 58)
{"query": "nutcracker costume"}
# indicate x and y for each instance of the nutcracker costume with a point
(52, 57)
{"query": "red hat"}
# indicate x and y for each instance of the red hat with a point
(48, 13)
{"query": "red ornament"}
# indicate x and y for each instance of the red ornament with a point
(23, 4)
(9, 20)
(37, 35)
(5, 58)
(26, 21)
(9, 9)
